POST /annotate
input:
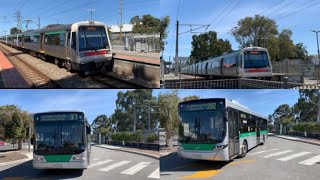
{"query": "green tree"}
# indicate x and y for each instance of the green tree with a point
(169, 119)
(148, 25)
(135, 20)
(190, 98)
(283, 115)
(207, 45)
(102, 124)
(287, 50)
(254, 30)
(301, 51)
(308, 106)
(164, 24)
(15, 30)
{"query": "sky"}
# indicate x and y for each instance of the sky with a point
(100, 101)
(262, 101)
(70, 11)
(223, 15)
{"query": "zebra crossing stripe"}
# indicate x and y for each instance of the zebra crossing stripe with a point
(293, 156)
(277, 153)
(259, 152)
(99, 163)
(134, 169)
(113, 166)
(155, 174)
(311, 161)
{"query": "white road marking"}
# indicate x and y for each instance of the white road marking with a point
(277, 153)
(99, 163)
(293, 156)
(134, 169)
(155, 174)
(311, 161)
(113, 166)
(259, 152)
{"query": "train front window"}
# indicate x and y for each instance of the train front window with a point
(256, 59)
(92, 38)
(205, 127)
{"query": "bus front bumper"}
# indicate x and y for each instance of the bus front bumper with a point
(215, 155)
(60, 165)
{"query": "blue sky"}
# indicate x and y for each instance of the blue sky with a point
(208, 11)
(97, 102)
(262, 101)
(69, 11)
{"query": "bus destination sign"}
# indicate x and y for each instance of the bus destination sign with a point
(198, 106)
(59, 117)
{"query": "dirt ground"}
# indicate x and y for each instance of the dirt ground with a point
(11, 156)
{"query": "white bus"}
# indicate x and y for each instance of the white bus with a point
(218, 129)
(61, 140)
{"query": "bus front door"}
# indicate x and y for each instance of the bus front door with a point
(233, 122)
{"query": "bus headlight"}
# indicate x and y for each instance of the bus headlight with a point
(219, 147)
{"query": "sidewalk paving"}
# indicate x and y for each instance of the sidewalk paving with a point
(167, 151)
(144, 152)
(13, 157)
(299, 139)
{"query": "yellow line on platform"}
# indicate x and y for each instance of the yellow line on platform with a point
(202, 174)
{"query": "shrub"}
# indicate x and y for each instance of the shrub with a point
(152, 138)
(307, 127)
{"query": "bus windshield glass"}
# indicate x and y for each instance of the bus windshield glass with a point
(92, 38)
(256, 59)
(205, 127)
(59, 138)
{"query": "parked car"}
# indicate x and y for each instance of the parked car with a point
(2, 143)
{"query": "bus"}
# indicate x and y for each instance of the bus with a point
(218, 129)
(61, 140)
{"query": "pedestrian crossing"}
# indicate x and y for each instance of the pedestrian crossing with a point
(303, 157)
(124, 167)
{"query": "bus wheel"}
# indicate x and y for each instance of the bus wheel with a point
(244, 149)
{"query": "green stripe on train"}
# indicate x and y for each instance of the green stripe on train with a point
(57, 158)
(200, 147)
(56, 32)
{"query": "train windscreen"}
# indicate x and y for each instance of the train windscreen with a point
(256, 59)
(92, 38)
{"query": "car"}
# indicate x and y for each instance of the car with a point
(2, 143)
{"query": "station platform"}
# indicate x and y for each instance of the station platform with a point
(138, 57)
(9, 76)
(172, 77)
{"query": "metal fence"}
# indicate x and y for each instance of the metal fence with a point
(136, 42)
(139, 145)
(241, 83)
(292, 66)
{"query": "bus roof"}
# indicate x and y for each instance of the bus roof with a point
(59, 111)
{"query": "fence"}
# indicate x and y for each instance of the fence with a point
(139, 145)
(241, 83)
(286, 130)
(136, 42)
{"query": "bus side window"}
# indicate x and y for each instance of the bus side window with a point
(68, 39)
(74, 41)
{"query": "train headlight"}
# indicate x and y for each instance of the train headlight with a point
(219, 147)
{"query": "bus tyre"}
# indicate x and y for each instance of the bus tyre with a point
(244, 149)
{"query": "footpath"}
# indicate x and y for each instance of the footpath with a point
(144, 152)
(17, 156)
(298, 138)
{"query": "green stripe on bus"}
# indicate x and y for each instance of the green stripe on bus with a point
(200, 147)
(57, 158)
(248, 134)
(264, 131)
(57, 32)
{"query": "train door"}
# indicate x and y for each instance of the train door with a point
(258, 129)
(22, 41)
(207, 68)
(73, 46)
(42, 42)
(68, 45)
(233, 125)
(221, 66)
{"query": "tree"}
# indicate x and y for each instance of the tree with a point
(287, 50)
(148, 25)
(164, 24)
(169, 119)
(207, 45)
(308, 106)
(135, 20)
(301, 52)
(190, 98)
(15, 30)
(283, 115)
(254, 30)
(102, 124)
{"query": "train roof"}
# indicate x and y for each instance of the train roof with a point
(233, 104)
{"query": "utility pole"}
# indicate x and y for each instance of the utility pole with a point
(39, 23)
(28, 21)
(19, 19)
(177, 51)
(315, 31)
(135, 118)
(91, 12)
(121, 13)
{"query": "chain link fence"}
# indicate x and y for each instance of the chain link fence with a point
(136, 42)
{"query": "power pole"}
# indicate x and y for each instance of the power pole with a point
(315, 31)
(27, 21)
(121, 13)
(19, 19)
(177, 51)
(91, 12)
(39, 23)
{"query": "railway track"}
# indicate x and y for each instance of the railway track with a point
(34, 77)
(113, 82)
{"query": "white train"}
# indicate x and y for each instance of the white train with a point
(249, 62)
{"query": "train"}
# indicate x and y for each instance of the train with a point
(249, 62)
(83, 47)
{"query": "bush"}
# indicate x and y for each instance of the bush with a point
(307, 127)
(127, 136)
(152, 138)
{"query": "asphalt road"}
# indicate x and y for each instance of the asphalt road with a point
(105, 164)
(278, 159)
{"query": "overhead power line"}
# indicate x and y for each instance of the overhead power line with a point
(306, 7)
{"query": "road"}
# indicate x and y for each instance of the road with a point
(277, 159)
(105, 164)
